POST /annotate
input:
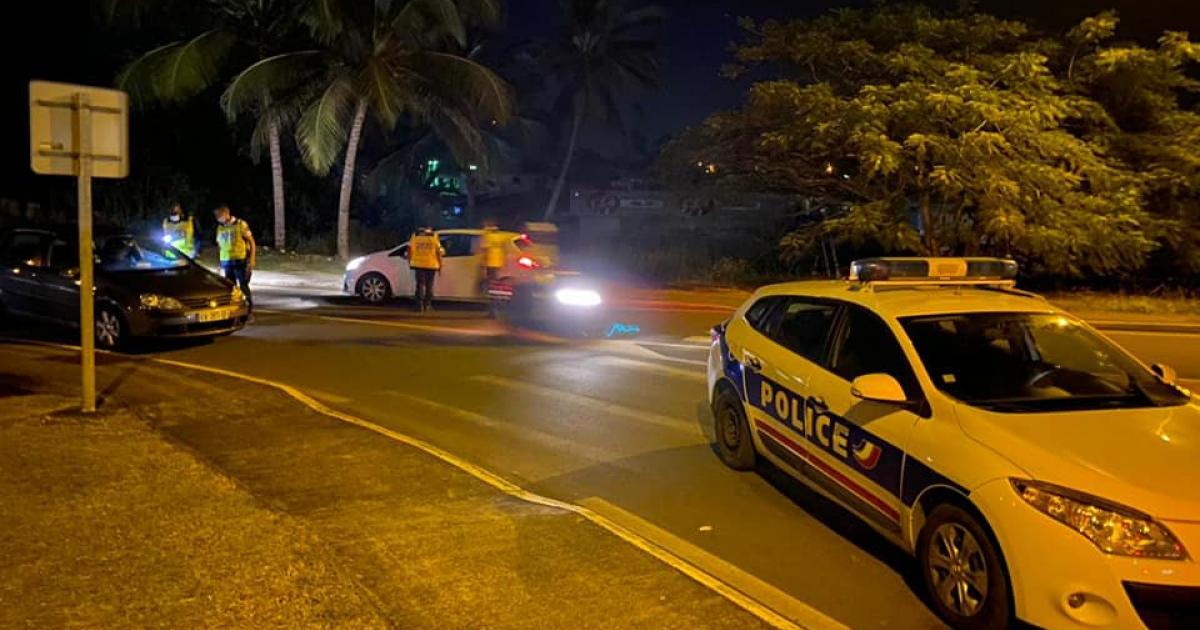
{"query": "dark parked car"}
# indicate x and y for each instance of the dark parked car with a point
(144, 288)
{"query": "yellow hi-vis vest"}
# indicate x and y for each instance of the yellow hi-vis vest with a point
(181, 233)
(231, 241)
(493, 249)
(424, 252)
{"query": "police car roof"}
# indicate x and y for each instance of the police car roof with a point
(915, 299)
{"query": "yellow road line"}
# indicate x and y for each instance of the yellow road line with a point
(747, 603)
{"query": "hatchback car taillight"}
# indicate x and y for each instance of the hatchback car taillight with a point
(528, 263)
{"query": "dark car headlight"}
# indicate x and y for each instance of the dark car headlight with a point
(156, 302)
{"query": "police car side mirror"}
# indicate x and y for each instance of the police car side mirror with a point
(1165, 373)
(878, 388)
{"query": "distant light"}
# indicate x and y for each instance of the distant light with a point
(473, 167)
(829, 170)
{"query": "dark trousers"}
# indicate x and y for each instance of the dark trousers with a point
(236, 271)
(424, 294)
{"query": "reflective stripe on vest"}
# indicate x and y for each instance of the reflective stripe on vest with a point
(423, 252)
(229, 239)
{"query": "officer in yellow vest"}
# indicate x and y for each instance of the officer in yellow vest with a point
(179, 231)
(425, 258)
(494, 246)
(236, 244)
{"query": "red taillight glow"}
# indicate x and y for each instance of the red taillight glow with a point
(528, 262)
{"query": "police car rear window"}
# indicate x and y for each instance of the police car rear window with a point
(757, 314)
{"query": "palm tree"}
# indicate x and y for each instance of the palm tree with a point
(604, 52)
(390, 59)
(182, 69)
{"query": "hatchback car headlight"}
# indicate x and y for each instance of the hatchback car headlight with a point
(578, 297)
(356, 263)
(1114, 529)
(160, 302)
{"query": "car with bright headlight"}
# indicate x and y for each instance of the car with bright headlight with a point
(1036, 470)
(143, 287)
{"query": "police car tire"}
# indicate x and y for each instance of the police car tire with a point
(731, 431)
(996, 611)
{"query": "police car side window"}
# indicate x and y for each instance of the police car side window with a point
(758, 315)
(866, 345)
(802, 326)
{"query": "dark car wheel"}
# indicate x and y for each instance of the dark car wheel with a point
(962, 571)
(110, 328)
(373, 288)
(734, 443)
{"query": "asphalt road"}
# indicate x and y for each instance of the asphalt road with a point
(619, 425)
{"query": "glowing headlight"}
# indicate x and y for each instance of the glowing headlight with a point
(356, 263)
(167, 239)
(236, 296)
(577, 297)
(1112, 528)
(160, 302)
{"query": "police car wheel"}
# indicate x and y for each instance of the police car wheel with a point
(373, 288)
(962, 571)
(734, 443)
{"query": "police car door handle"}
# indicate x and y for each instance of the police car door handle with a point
(753, 361)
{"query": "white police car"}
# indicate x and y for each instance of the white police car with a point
(1036, 470)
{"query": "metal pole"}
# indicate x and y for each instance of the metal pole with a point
(87, 325)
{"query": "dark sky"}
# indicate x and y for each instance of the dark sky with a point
(50, 39)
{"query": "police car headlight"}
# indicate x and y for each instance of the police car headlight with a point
(356, 263)
(578, 297)
(1114, 529)
(158, 302)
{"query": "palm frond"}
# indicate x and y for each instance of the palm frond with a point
(325, 19)
(379, 86)
(488, 95)
(323, 127)
(176, 71)
(266, 81)
(428, 19)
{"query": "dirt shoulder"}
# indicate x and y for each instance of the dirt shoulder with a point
(198, 500)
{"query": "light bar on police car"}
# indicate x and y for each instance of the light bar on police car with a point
(933, 269)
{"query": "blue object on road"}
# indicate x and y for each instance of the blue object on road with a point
(622, 330)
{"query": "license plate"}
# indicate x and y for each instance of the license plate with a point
(214, 315)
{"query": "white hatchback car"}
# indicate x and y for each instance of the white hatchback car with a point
(1036, 470)
(378, 276)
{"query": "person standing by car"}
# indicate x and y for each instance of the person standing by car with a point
(425, 258)
(179, 230)
(493, 245)
(237, 249)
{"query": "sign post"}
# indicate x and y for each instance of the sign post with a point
(81, 131)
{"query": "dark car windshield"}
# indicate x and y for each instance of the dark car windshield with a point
(130, 253)
(1028, 362)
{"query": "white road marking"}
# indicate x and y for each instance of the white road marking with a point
(713, 583)
(758, 590)
(594, 404)
(665, 344)
(703, 340)
(543, 438)
(470, 332)
(1146, 333)
(637, 364)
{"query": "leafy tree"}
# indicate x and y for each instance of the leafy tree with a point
(929, 133)
(603, 53)
(1139, 89)
(183, 69)
(388, 59)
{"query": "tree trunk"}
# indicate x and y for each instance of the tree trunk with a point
(929, 237)
(343, 222)
(566, 165)
(277, 185)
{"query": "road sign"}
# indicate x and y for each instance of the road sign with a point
(82, 131)
(55, 137)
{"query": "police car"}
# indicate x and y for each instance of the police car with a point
(1034, 469)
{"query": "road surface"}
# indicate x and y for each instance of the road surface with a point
(620, 426)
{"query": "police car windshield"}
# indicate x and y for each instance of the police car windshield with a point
(1025, 362)
(127, 253)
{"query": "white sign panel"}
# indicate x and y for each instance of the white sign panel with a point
(54, 129)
